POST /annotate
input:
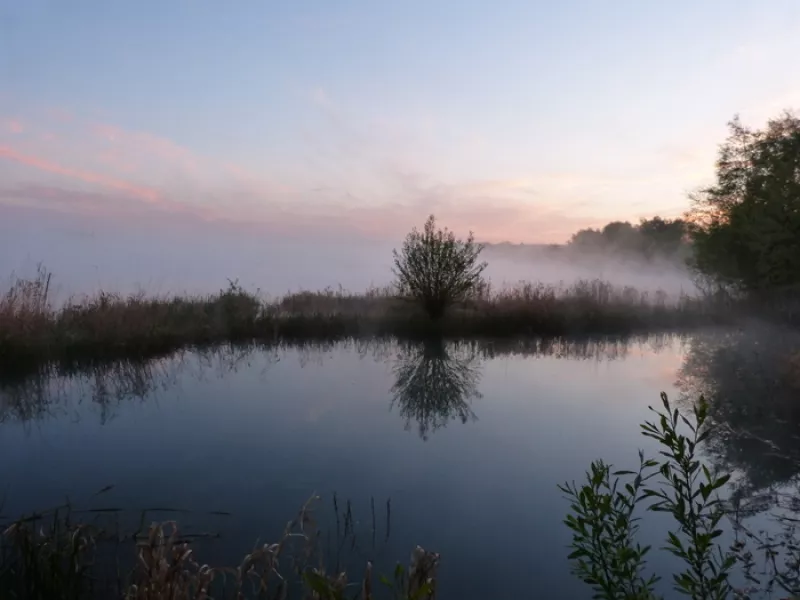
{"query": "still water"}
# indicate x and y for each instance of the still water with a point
(458, 447)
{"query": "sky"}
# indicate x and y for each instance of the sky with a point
(200, 123)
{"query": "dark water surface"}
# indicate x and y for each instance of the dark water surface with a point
(465, 443)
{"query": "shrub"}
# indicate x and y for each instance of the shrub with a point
(436, 269)
(604, 523)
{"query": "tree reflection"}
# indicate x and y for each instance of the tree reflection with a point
(435, 383)
(751, 378)
(54, 391)
(450, 371)
(50, 392)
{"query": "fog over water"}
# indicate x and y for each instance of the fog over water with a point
(86, 255)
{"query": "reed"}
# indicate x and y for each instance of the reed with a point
(33, 330)
(53, 555)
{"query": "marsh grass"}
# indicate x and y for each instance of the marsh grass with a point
(53, 556)
(33, 330)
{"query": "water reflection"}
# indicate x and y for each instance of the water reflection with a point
(48, 393)
(435, 383)
(182, 432)
(751, 378)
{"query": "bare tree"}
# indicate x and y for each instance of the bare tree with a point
(437, 269)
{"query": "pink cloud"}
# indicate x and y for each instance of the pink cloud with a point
(147, 144)
(254, 184)
(357, 183)
(495, 210)
(14, 126)
(59, 115)
(117, 162)
(145, 167)
(143, 193)
(69, 200)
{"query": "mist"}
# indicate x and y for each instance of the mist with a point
(86, 255)
(665, 275)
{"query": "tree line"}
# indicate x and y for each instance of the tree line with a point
(746, 226)
(649, 238)
(740, 234)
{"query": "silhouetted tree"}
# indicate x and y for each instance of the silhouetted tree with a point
(435, 384)
(662, 236)
(746, 227)
(621, 235)
(651, 238)
(587, 239)
(437, 269)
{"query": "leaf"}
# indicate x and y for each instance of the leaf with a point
(688, 423)
(318, 584)
(579, 553)
(673, 539)
(721, 481)
(705, 491)
(103, 490)
(424, 590)
(703, 436)
(665, 401)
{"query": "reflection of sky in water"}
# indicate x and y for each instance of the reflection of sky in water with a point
(258, 441)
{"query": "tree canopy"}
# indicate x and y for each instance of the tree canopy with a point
(650, 238)
(436, 268)
(746, 227)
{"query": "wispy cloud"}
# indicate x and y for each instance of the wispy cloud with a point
(13, 126)
(134, 166)
(143, 193)
(134, 143)
(375, 175)
(364, 183)
(69, 200)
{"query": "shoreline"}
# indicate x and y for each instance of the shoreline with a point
(108, 326)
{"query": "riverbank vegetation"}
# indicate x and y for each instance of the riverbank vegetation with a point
(719, 555)
(743, 238)
(745, 232)
(64, 554)
(32, 330)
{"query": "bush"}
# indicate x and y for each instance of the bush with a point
(603, 520)
(436, 269)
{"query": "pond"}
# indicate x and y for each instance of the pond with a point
(457, 447)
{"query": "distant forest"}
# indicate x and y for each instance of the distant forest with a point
(741, 233)
(650, 239)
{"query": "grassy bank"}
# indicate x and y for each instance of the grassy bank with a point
(33, 330)
(57, 555)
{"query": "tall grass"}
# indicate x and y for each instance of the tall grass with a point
(53, 556)
(33, 330)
